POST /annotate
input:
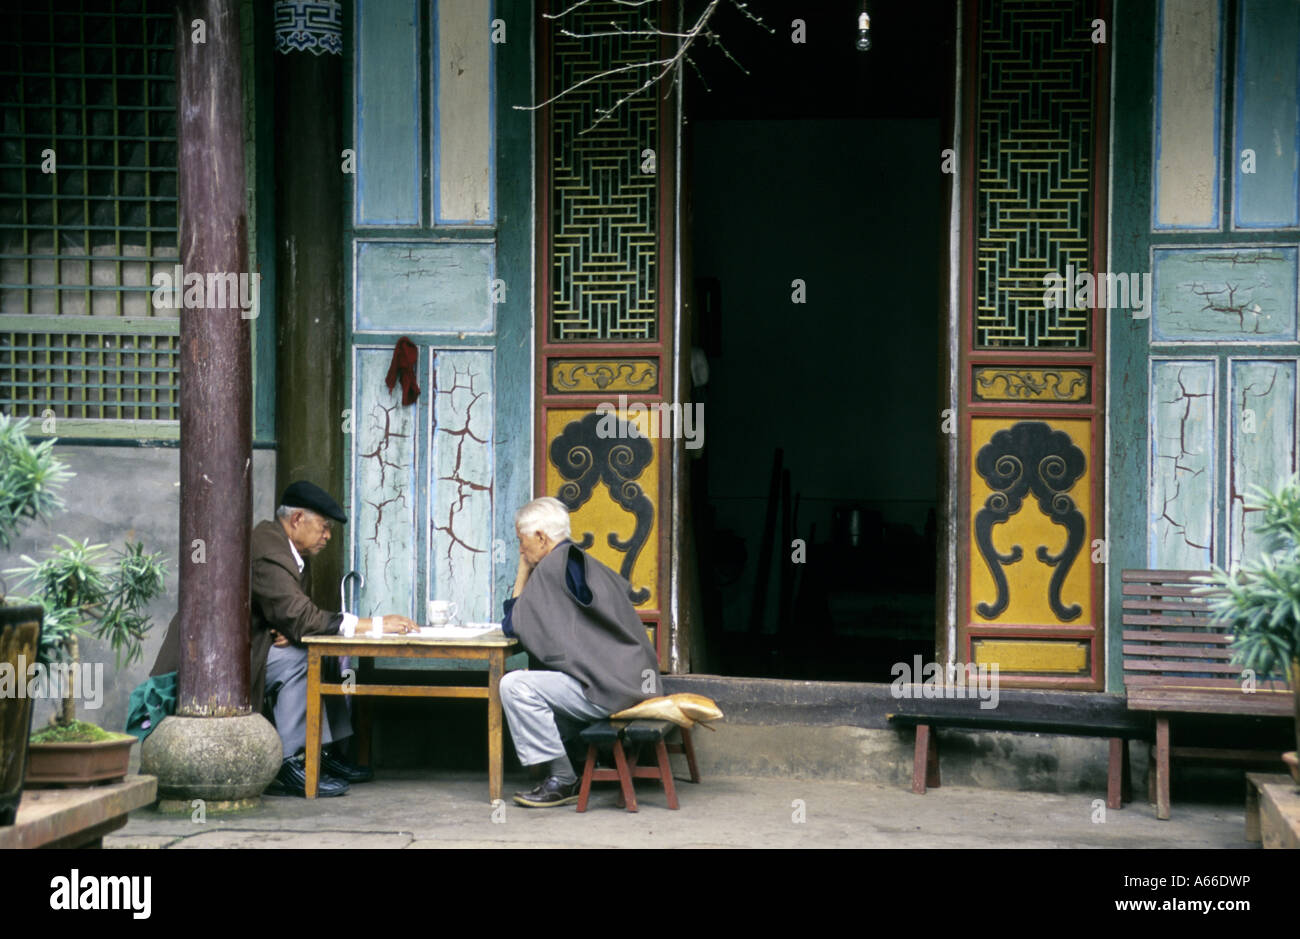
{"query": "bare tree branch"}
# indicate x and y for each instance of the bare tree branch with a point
(583, 3)
(664, 66)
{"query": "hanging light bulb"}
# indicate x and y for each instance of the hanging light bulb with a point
(864, 31)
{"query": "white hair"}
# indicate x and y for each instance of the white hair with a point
(285, 511)
(547, 515)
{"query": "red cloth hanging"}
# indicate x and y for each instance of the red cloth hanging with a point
(403, 369)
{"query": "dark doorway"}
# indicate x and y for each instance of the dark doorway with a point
(816, 237)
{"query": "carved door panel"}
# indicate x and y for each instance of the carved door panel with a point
(1031, 389)
(605, 289)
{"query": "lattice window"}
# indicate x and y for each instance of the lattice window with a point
(1036, 113)
(90, 376)
(87, 89)
(604, 219)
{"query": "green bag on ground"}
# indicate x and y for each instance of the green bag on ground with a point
(150, 702)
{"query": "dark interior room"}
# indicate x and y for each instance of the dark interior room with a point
(815, 242)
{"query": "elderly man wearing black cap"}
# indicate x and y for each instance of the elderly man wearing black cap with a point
(282, 615)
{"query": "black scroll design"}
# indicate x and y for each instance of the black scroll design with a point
(585, 458)
(1030, 457)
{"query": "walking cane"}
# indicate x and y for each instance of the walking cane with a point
(363, 718)
(344, 660)
(343, 588)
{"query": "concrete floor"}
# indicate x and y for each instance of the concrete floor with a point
(428, 809)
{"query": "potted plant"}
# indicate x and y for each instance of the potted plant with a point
(84, 591)
(29, 480)
(1261, 602)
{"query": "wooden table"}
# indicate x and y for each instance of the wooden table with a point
(76, 818)
(1272, 810)
(491, 650)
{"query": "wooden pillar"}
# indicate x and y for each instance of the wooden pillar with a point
(310, 329)
(216, 422)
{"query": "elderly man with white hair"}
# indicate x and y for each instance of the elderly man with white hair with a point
(574, 616)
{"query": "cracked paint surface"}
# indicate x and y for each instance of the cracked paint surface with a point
(1182, 502)
(460, 485)
(384, 488)
(1263, 434)
(446, 285)
(1213, 293)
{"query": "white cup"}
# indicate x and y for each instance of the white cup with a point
(441, 612)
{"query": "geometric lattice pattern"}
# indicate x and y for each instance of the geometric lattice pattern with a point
(90, 376)
(604, 222)
(95, 84)
(1036, 109)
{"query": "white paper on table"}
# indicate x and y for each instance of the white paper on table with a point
(466, 631)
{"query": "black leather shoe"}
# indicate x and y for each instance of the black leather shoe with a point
(340, 768)
(550, 793)
(292, 781)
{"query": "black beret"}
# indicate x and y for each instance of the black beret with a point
(305, 495)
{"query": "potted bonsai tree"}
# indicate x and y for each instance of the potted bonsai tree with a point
(29, 480)
(82, 590)
(1261, 602)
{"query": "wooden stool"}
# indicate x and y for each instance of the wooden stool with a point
(633, 736)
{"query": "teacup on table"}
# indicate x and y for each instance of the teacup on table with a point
(441, 612)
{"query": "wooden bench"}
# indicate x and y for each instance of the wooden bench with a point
(76, 818)
(1272, 810)
(621, 739)
(965, 714)
(1176, 661)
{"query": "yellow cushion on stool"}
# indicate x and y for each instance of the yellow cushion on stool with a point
(682, 709)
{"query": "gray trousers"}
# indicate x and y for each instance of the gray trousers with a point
(286, 677)
(543, 709)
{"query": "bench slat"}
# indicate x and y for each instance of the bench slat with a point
(994, 722)
(1180, 681)
(1163, 590)
(1156, 635)
(1190, 700)
(1164, 665)
(1222, 653)
(1176, 605)
(1161, 577)
(1219, 753)
(1264, 686)
(1159, 619)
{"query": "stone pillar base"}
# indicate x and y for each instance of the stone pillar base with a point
(222, 759)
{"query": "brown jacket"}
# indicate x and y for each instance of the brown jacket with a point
(280, 601)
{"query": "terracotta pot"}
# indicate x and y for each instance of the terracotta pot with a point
(79, 764)
(20, 640)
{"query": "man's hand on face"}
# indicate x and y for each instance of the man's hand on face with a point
(522, 573)
(532, 548)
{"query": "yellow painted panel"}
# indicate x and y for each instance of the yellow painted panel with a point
(1055, 657)
(601, 515)
(585, 375)
(1028, 579)
(997, 383)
